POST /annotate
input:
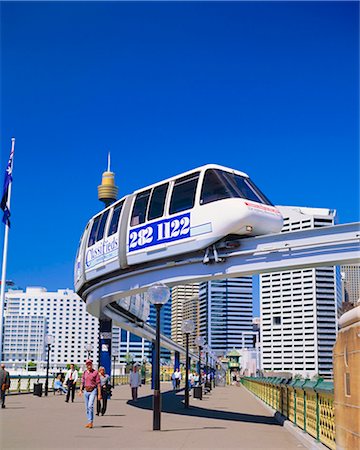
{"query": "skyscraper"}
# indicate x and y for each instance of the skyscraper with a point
(179, 294)
(226, 314)
(299, 308)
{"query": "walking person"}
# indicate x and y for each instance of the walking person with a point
(135, 382)
(105, 388)
(4, 383)
(173, 380)
(177, 375)
(71, 378)
(90, 382)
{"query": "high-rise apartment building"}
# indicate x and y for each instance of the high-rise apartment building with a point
(179, 294)
(34, 313)
(299, 308)
(226, 314)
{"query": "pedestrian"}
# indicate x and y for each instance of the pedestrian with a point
(90, 382)
(58, 386)
(173, 380)
(71, 378)
(196, 379)
(177, 378)
(105, 388)
(135, 382)
(4, 383)
(191, 380)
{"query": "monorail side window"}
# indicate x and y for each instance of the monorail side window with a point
(183, 195)
(139, 209)
(93, 231)
(101, 229)
(213, 187)
(157, 202)
(115, 219)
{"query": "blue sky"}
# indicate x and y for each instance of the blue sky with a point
(267, 88)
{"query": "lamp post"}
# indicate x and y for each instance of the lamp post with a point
(113, 383)
(187, 327)
(89, 348)
(144, 361)
(48, 341)
(213, 369)
(158, 295)
(200, 342)
(206, 350)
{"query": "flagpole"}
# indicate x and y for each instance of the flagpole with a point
(4, 262)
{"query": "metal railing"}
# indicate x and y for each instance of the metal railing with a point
(24, 384)
(308, 404)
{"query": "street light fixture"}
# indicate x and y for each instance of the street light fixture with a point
(158, 295)
(48, 341)
(88, 348)
(187, 327)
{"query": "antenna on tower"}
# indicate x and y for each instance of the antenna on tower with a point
(108, 169)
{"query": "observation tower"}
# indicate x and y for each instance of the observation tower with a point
(107, 193)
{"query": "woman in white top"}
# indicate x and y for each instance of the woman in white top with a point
(135, 382)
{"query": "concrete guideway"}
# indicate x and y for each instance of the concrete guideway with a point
(228, 418)
(326, 246)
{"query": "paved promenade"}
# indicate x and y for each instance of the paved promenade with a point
(228, 418)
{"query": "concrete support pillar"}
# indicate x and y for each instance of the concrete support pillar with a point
(105, 335)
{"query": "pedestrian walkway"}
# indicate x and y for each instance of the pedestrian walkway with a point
(228, 418)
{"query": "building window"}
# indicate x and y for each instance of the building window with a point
(277, 320)
(347, 384)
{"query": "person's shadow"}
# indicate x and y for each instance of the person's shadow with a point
(172, 403)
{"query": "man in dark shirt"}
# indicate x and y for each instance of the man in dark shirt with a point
(4, 383)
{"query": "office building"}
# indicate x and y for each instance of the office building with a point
(299, 308)
(226, 314)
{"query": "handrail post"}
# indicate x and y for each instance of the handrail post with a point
(317, 417)
(304, 393)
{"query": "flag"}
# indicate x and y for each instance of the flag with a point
(7, 183)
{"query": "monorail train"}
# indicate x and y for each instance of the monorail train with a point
(180, 215)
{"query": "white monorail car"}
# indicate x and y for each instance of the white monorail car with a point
(183, 214)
